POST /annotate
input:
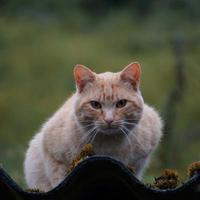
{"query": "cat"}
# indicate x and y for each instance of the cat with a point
(106, 110)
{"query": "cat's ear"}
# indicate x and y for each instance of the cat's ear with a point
(83, 76)
(131, 74)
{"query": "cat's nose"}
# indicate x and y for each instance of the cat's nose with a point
(108, 116)
(109, 121)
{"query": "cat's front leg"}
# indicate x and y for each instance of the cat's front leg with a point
(140, 165)
(56, 171)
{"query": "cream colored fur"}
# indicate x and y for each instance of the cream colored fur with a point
(62, 136)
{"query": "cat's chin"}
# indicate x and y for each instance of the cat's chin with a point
(111, 131)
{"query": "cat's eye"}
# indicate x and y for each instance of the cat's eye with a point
(95, 104)
(121, 103)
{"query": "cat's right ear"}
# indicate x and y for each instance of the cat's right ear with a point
(83, 76)
(131, 75)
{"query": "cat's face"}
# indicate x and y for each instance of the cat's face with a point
(108, 103)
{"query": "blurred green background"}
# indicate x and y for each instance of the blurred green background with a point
(41, 41)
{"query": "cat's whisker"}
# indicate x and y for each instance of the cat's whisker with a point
(135, 137)
(130, 123)
(91, 137)
(126, 135)
(85, 121)
(88, 126)
(80, 128)
(87, 136)
(94, 136)
(98, 123)
(89, 132)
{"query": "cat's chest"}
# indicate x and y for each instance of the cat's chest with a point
(124, 151)
(120, 152)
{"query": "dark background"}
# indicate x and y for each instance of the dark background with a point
(41, 41)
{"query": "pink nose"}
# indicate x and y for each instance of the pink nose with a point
(109, 121)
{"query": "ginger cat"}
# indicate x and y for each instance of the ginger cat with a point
(106, 110)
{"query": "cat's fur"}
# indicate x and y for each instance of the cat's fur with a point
(128, 131)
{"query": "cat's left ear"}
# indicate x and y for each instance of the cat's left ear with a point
(131, 75)
(83, 76)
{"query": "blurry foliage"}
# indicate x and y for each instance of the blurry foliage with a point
(41, 41)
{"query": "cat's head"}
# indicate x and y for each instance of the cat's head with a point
(108, 103)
